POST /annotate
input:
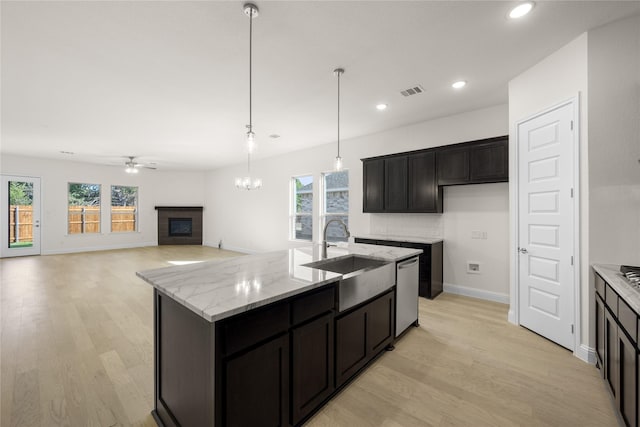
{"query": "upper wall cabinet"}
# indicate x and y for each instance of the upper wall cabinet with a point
(476, 162)
(412, 182)
(401, 183)
(373, 185)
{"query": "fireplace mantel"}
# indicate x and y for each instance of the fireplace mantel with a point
(187, 213)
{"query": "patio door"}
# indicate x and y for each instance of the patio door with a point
(20, 216)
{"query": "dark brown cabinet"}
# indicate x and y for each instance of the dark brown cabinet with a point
(362, 334)
(395, 184)
(373, 185)
(312, 366)
(600, 344)
(259, 378)
(617, 349)
(489, 161)
(424, 195)
(412, 181)
(477, 162)
(627, 378)
(453, 166)
(430, 264)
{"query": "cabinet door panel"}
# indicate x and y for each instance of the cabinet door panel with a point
(424, 194)
(395, 190)
(453, 166)
(627, 376)
(373, 185)
(611, 361)
(312, 366)
(380, 323)
(600, 343)
(489, 162)
(351, 348)
(257, 386)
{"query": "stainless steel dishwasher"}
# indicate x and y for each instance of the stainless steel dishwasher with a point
(406, 294)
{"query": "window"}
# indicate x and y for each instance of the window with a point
(335, 204)
(302, 208)
(124, 209)
(84, 208)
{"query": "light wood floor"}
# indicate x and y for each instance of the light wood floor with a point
(77, 350)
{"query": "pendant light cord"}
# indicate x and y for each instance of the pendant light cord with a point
(250, 67)
(339, 113)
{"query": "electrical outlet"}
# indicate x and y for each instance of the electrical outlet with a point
(473, 267)
(479, 235)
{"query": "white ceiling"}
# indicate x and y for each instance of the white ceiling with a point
(168, 81)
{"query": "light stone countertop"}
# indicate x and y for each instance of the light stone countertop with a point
(222, 288)
(428, 240)
(611, 274)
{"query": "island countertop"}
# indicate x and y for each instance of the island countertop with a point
(222, 288)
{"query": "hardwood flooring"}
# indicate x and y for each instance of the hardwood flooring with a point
(77, 350)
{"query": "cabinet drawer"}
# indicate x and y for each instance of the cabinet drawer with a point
(253, 327)
(611, 299)
(627, 318)
(599, 285)
(312, 305)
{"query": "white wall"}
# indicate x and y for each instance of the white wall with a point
(255, 221)
(154, 188)
(614, 143)
(557, 78)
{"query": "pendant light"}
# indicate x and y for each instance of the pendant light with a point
(337, 165)
(248, 183)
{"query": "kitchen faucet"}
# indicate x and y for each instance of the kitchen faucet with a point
(325, 244)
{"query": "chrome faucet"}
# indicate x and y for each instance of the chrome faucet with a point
(325, 244)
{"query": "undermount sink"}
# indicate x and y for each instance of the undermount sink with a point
(348, 264)
(363, 277)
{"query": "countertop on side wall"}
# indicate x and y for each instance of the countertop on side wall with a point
(611, 274)
(428, 240)
(221, 288)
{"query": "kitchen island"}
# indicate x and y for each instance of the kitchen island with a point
(264, 339)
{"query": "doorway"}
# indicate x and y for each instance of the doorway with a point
(547, 274)
(20, 216)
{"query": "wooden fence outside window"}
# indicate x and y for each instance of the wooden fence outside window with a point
(20, 224)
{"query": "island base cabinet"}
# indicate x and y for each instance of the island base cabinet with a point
(362, 334)
(256, 386)
(312, 363)
(612, 363)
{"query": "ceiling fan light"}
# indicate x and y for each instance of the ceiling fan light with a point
(131, 169)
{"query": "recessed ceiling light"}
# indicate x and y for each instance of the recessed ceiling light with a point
(459, 84)
(520, 10)
(67, 152)
(274, 136)
(381, 107)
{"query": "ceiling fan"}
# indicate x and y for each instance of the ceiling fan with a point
(132, 166)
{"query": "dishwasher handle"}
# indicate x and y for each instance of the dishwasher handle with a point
(408, 263)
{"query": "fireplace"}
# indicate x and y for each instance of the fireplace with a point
(179, 225)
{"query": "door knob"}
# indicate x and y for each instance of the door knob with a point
(523, 250)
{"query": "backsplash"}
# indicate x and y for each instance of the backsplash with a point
(409, 225)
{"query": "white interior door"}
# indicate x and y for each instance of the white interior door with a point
(546, 224)
(20, 216)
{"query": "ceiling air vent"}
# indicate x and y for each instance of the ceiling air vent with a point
(412, 91)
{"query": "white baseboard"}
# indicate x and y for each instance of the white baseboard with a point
(476, 293)
(98, 248)
(511, 317)
(586, 354)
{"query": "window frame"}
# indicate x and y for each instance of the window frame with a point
(82, 231)
(136, 216)
(324, 215)
(293, 214)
